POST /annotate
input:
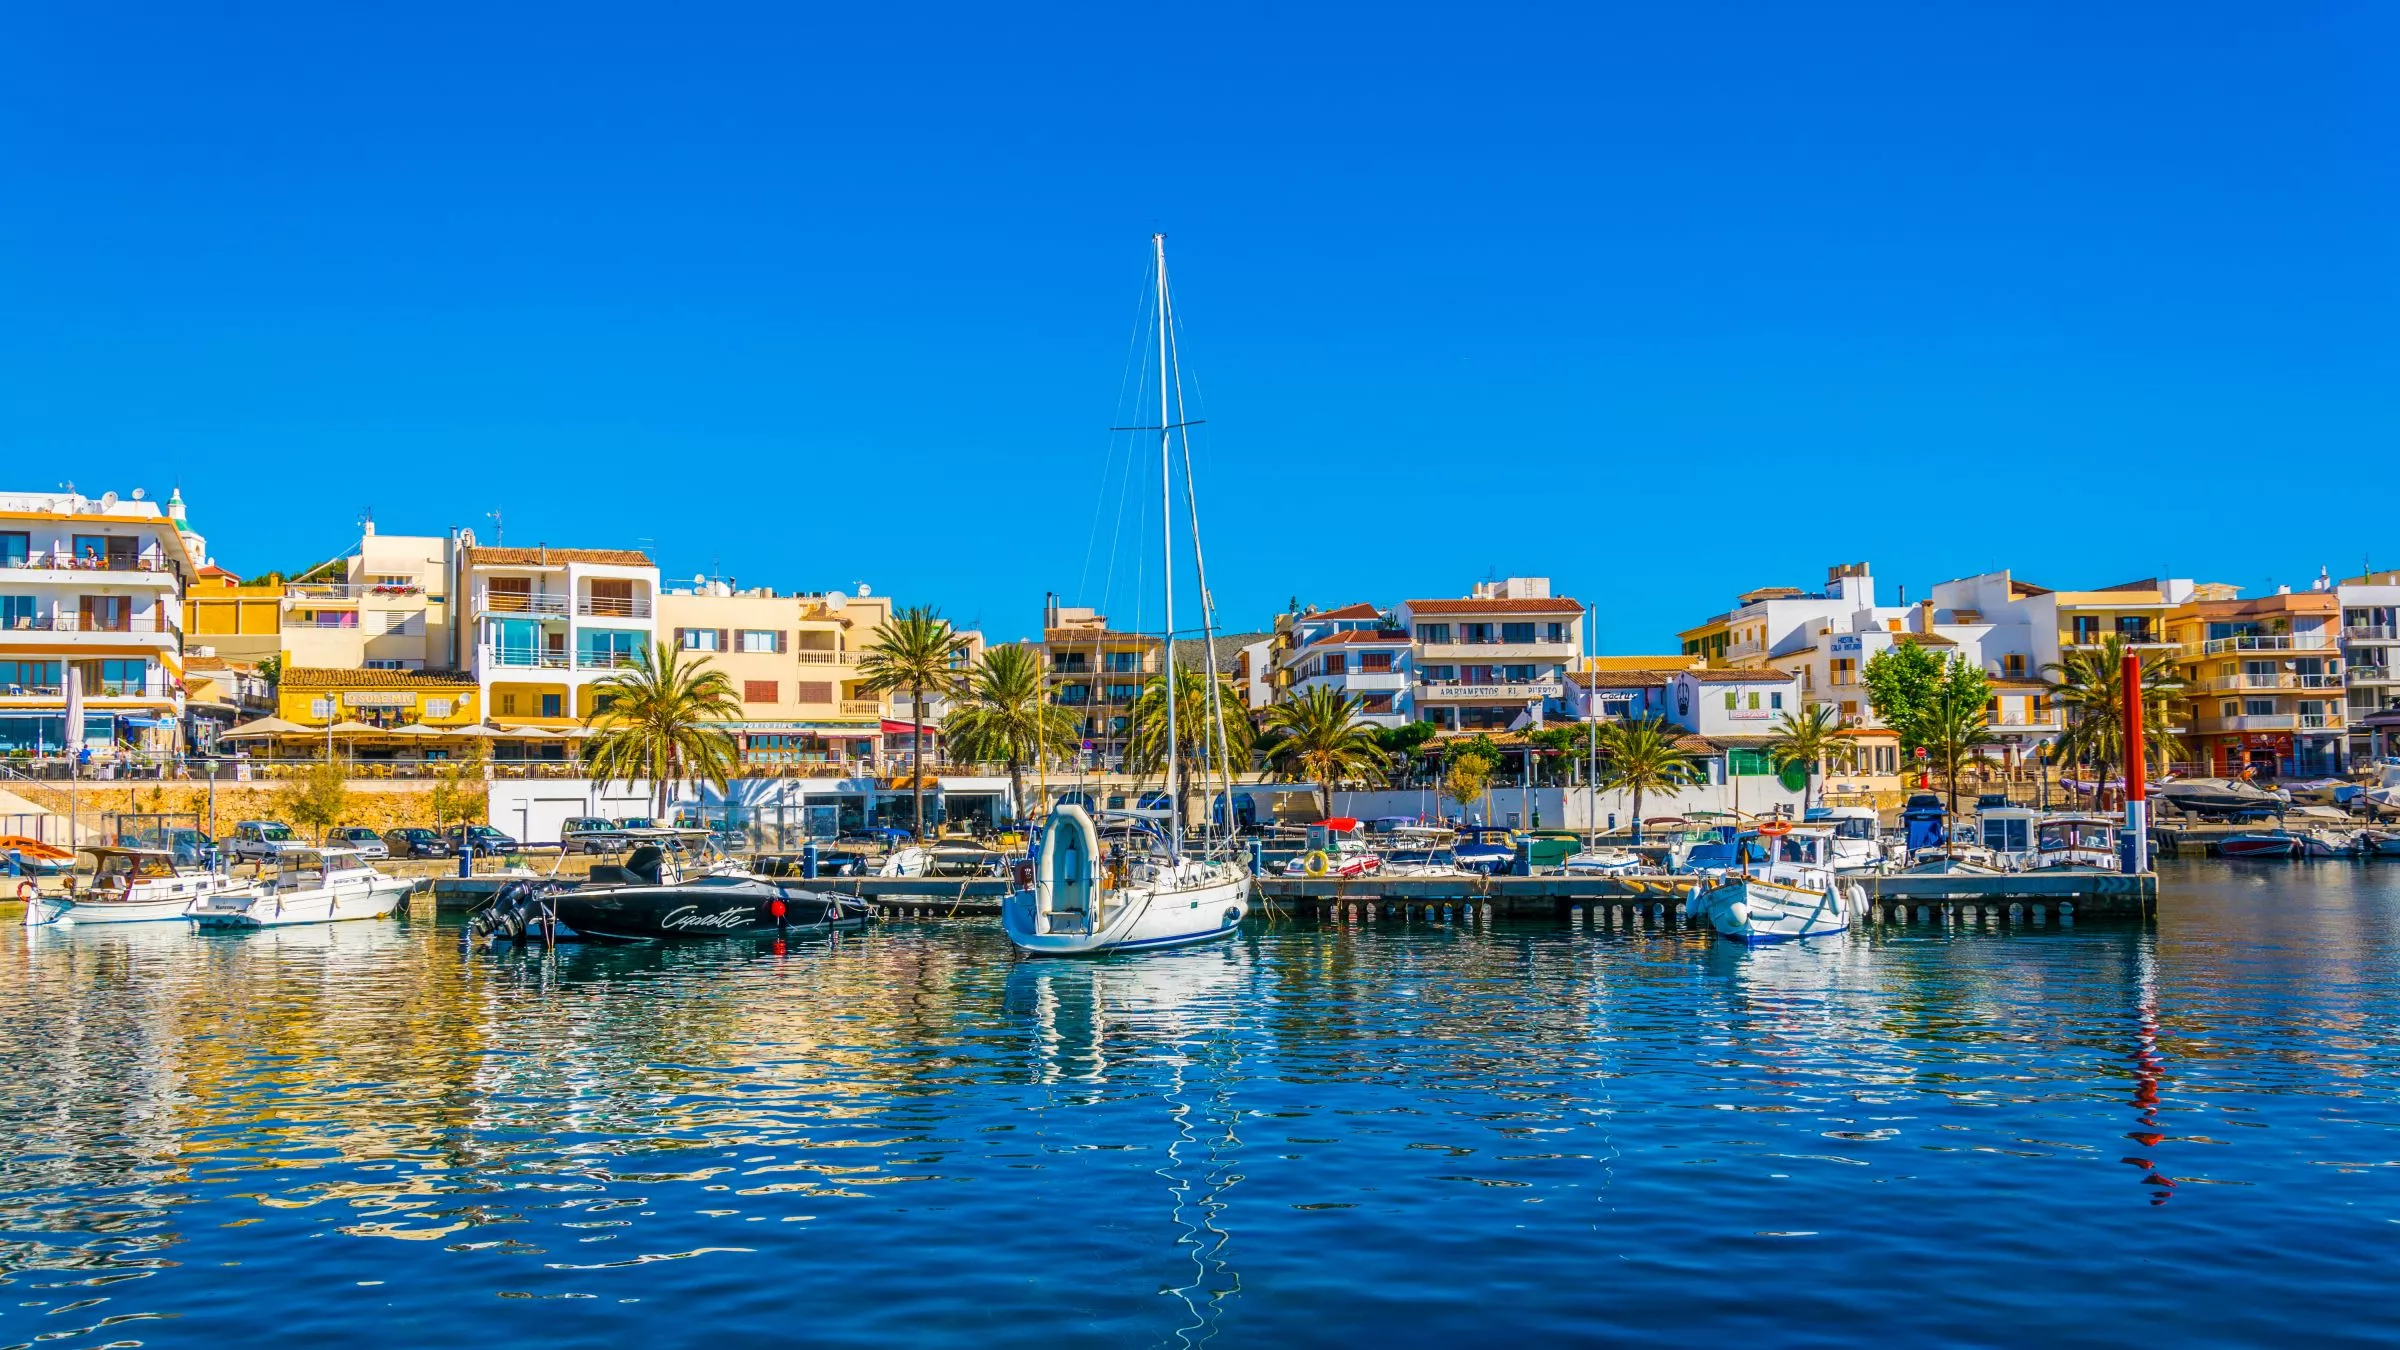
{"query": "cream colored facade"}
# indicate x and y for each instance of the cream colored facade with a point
(793, 662)
(384, 606)
(91, 591)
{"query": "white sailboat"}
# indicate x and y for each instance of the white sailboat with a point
(311, 885)
(1148, 891)
(1795, 894)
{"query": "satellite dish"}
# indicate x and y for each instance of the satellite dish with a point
(138, 494)
(862, 590)
(834, 600)
(699, 579)
(108, 501)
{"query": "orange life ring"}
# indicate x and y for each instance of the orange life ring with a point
(26, 891)
(1774, 829)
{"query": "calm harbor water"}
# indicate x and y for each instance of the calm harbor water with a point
(1405, 1134)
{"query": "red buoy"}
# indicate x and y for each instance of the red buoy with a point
(775, 908)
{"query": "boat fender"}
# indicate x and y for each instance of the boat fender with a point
(775, 907)
(26, 890)
(1315, 864)
(1737, 914)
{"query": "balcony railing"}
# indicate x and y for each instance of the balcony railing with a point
(2372, 632)
(2261, 642)
(2275, 722)
(33, 691)
(861, 707)
(64, 560)
(811, 657)
(75, 623)
(2139, 638)
(519, 602)
(2276, 682)
(524, 658)
(610, 607)
(2322, 722)
(602, 660)
(333, 592)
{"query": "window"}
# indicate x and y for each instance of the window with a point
(396, 621)
(16, 547)
(89, 549)
(813, 691)
(108, 613)
(1122, 663)
(1850, 709)
(1516, 632)
(1748, 763)
(1475, 674)
(1440, 674)
(2087, 628)
(1754, 700)
(2012, 665)
(1554, 632)
(1475, 632)
(1518, 674)
(386, 664)
(17, 677)
(759, 691)
(1775, 700)
(508, 705)
(761, 640)
(119, 678)
(16, 611)
(2134, 627)
(600, 648)
(1845, 670)
(1336, 664)
(700, 639)
(1433, 632)
(2258, 707)
(1731, 700)
(1375, 703)
(550, 705)
(1124, 693)
(2230, 708)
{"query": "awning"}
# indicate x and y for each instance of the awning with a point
(891, 728)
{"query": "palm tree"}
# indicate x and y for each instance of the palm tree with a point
(662, 718)
(1813, 739)
(1318, 737)
(1145, 746)
(2089, 686)
(1642, 757)
(916, 650)
(1950, 726)
(1006, 715)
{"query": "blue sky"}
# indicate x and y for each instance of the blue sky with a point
(1662, 301)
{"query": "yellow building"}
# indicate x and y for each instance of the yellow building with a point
(315, 696)
(1096, 673)
(242, 623)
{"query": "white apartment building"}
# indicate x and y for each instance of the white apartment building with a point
(539, 627)
(382, 606)
(1359, 652)
(2370, 639)
(1495, 659)
(91, 599)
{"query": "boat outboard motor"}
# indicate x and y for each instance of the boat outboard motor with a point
(645, 862)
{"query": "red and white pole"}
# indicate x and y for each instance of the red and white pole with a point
(2137, 787)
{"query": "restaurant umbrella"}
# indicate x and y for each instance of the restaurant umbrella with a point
(261, 729)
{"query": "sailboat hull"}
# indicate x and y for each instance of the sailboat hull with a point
(1147, 922)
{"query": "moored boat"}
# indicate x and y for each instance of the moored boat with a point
(135, 885)
(2075, 841)
(2260, 844)
(1794, 894)
(660, 893)
(1086, 903)
(309, 885)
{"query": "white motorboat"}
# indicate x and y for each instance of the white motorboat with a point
(135, 885)
(910, 861)
(1794, 894)
(1858, 844)
(309, 885)
(1084, 903)
(1148, 892)
(1602, 861)
(2075, 840)
(2332, 843)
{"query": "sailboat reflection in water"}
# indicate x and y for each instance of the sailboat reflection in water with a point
(1112, 1033)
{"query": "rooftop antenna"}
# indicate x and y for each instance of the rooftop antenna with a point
(497, 534)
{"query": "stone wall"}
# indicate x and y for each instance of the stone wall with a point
(379, 804)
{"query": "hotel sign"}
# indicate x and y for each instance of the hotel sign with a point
(1846, 642)
(380, 700)
(1532, 690)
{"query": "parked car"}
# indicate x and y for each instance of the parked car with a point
(483, 837)
(637, 823)
(369, 844)
(415, 841)
(258, 841)
(590, 834)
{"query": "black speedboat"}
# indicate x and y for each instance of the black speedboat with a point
(651, 896)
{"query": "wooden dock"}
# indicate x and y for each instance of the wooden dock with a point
(2034, 897)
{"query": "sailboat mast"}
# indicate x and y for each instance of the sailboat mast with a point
(1166, 497)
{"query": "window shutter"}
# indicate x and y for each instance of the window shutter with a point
(813, 691)
(782, 642)
(724, 639)
(758, 691)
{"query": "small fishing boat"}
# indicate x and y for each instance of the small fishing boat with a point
(2276, 843)
(1794, 894)
(1857, 837)
(661, 892)
(309, 885)
(134, 885)
(2331, 843)
(1486, 850)
(1602, 861)
(1083, 902)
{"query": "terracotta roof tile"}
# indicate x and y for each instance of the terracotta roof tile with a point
(1361, 610)
(1555, 605)
(553, 557)
(1768, 675)
(1621, 679)
(322, 677)
(1371, 639)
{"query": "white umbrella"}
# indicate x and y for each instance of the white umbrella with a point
(416, 731)
(74, 708)
(262, 728)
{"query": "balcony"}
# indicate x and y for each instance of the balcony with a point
(43, 627)
(336, 593)
(2371, 632)
(523, 658)
(1521, 691)
(602, 660)
(861, 707)
(2275, 722)
(64, 560)
(1492, 653)
(810, 657)
(609, 607)
(519, 602)
(2261, 642)
(2047, 722)
(2229, 682)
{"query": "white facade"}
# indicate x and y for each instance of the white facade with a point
(2370, 637)
(1358, 653)
(539, 627)
(1740, 703)
(383, 606)
(91, 592)
(1494, 660)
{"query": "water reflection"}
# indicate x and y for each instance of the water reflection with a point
(918, 1138)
